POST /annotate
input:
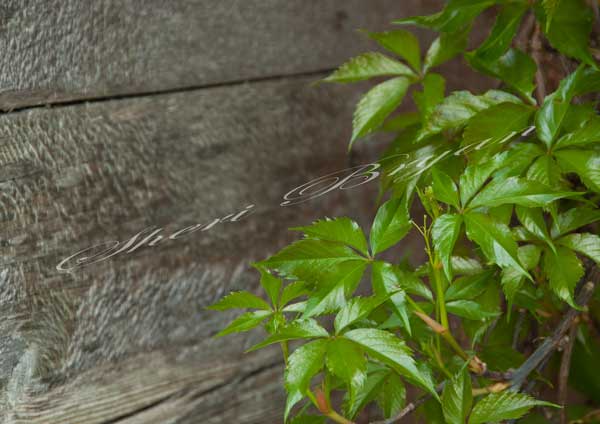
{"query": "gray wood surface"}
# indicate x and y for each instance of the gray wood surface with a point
(128, 337)
(60, 50)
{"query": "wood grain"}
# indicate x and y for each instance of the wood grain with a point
(62, 50)
(129, 337)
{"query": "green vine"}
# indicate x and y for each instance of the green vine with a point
(510, 231)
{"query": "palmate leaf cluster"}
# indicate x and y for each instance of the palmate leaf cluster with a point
(511, 195)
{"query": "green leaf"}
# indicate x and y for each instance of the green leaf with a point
(347, 361)
(403, 171)
(412, 284)
(295, 307)
(457, 398)
(585, 163)
(386, 283)
(367, 66)
(407, 281)
(550, 116)
(299, 329)
(401, 122)
(466, 266)
(458, 108)
(568, 29)
(503, 32)
(533, 220)
(445, 233)
(584, 243)
(502, 406)
(518, 191)
(376, 105)
(468, 287)
(517, 159)
(309, 419)
(392, 351)
(545, 170)
(498, 353)
(470, 309)
(564, 270)
(589, 133)
(550, 7)
(475, 176)
(342, 230)
(303, 364)
(578, 116)
(444, 188)
(356, 309)
(446, 47)
(455, 15)
(402, 43)
(434, 86)
(331, 296)
(293, 291)
(514, 67)
(308, 259)
(491, 128)
(584, 80)
(391, 224)
(245, 322)
(240, 300)
(495, 240)
(584, 375)
(529, 255)
(392, 395)
(512, 279)
(271, 284)
(548, 119)
(502, 213)
(573, 219)
(367, 393)
(432, 208)
(431, 411)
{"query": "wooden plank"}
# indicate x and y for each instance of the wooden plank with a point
(134, 328)
(56, 51)
(152, 388)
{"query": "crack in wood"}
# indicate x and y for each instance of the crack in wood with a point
(191, 88)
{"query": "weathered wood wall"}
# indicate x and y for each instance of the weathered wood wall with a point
(165, 114)
(61, 50)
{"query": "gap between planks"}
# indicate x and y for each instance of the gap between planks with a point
(126, 96)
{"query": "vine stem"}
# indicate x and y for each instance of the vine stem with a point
(563, 374)
(596, 9)
(551, 343)
(435, 264)
(321, 401)
(494, 388)
(436, 267)
(407, 410)
(536, 54)
(536, 360)
(338, 418)
(440, 292)
(285, 350)
(475, 364)
(410, 407)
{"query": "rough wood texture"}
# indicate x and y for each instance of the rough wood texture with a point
(128, 338)
(61, 50)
